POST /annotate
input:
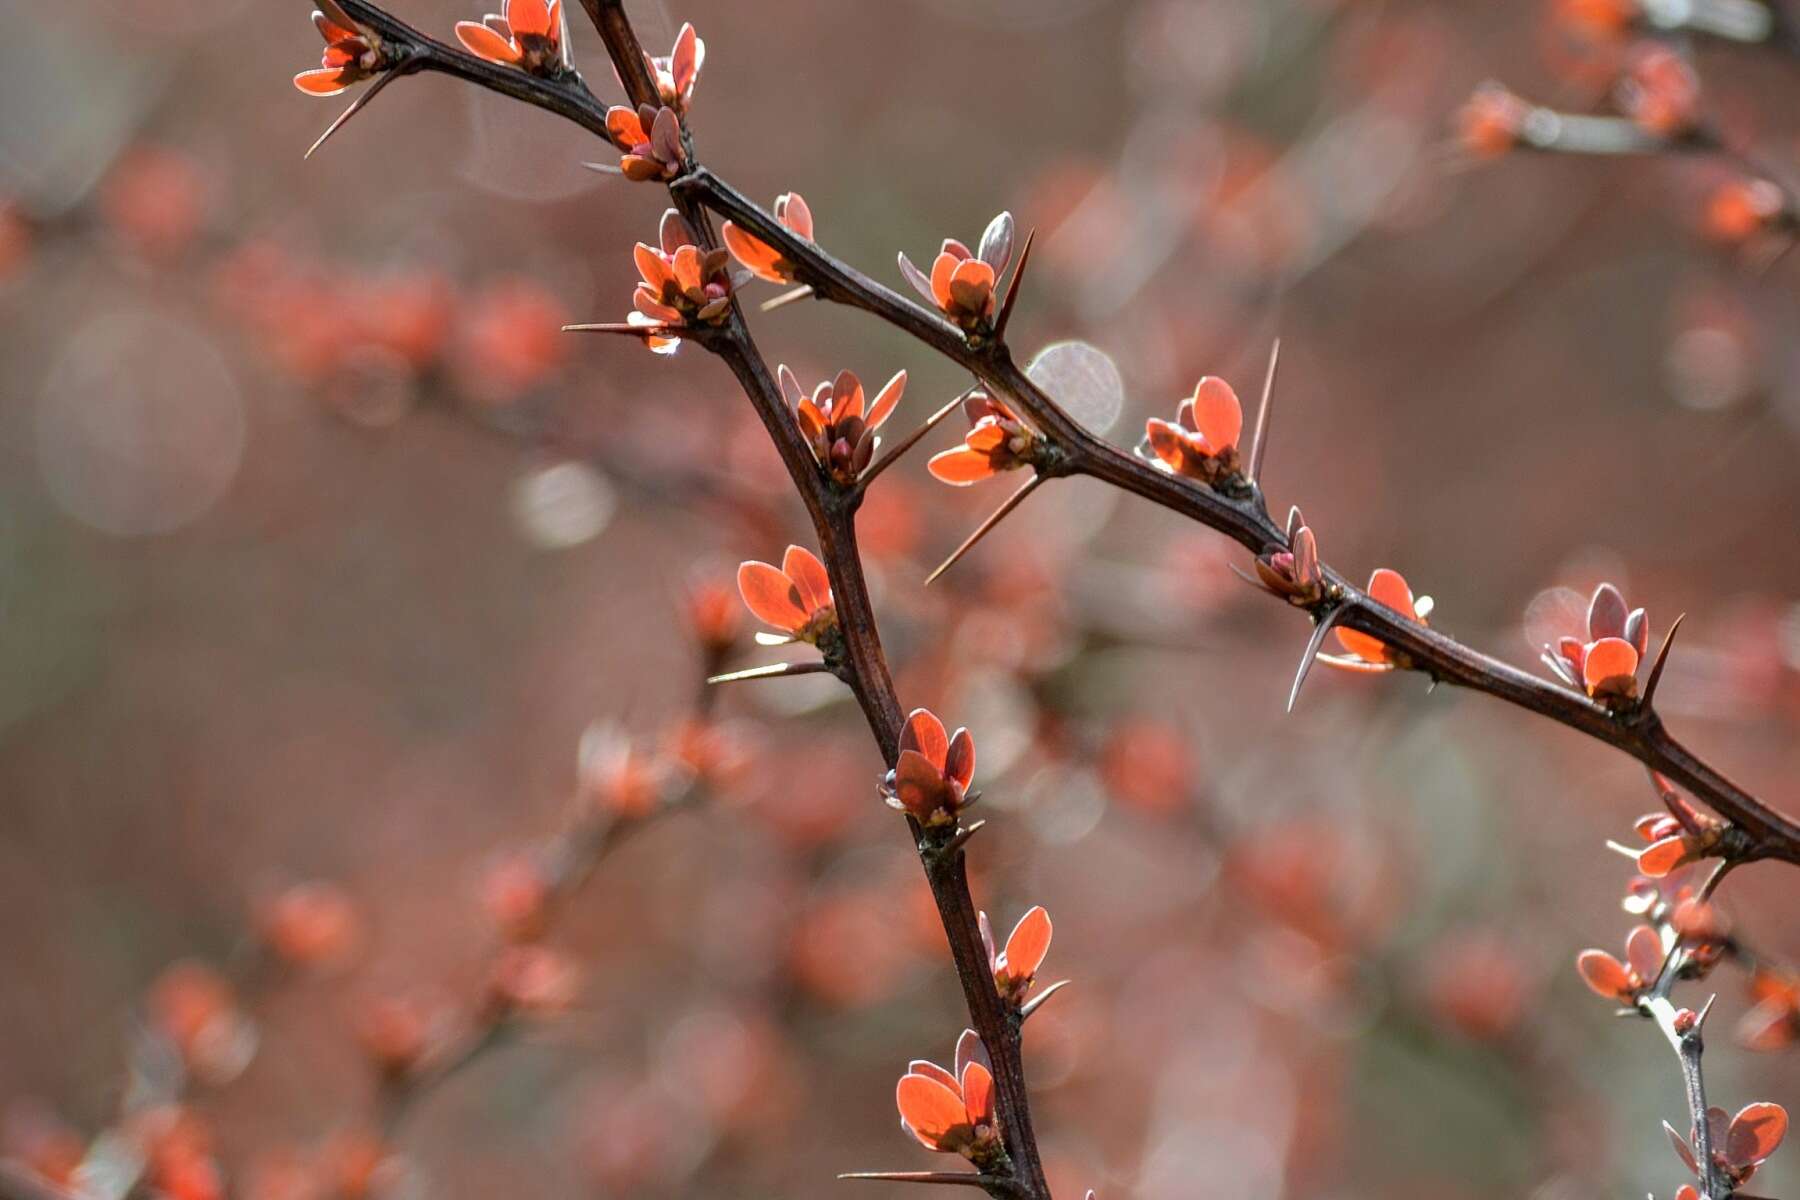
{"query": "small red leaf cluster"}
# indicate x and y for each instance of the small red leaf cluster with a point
(1294, 574)
(1015, 967)
(794, 597)
(839, 425)
(311, 925)
(682, 284)
(1740, 1144)
(1660, 92)
(758, 257)
(1597, 21)
(1773, 1023)
(1605, 664)
(616, 777)
(649, 140)
(352, 53)
(1202, 442)
(1623, 981)
(676, 73)
(526, 34)
(649, 137)
(1679, 835)
(952, 1111)
(1740, 209)
(1490, 121)
(197, 1012)
(1365, 653)
(963, 284)
(997, 441)
(930, 782)
(527, 980)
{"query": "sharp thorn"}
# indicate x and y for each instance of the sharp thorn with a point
(1037, 1001)
(1680, 809)
(603, 168)
(787, 298)
(1247, 577)
(629, 330)
(1705, 1009)
(954, 1178)
(955, 844)
(335, 13)
(1347, 663)
(1013, 501)
(1662, 658)
(1312, 652)
(1012, 292)
(1618, 848)
(1261, 442)
(912, 439)
(356, 106)
(773, 671)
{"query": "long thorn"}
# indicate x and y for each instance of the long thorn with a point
(1252, 580)
(961, 839)
(1261, 442)
(356, 106)
(1680, 809)
(962, 1178)
(1037, 1001)
(910, 440)
(1012, 292)
(1662, 658)
(787, 298)
(1312, 651)
(603, 168)
(1013, 501)
(629, 330)
(773, 671)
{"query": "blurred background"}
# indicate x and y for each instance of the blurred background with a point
(320, 548)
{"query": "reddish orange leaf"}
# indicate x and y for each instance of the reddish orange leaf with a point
(1028, 943)
(483, 42)
(1217, 414)
(772, 596)
(961, 467)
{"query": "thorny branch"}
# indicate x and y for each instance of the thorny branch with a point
(864, 667)
(1639, 733)
(1762, 832)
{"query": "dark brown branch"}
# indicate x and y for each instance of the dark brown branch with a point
(412, 51)
(622, 44)
(865, 668)
(1639, 733)
(866, 672)
(1071, 450)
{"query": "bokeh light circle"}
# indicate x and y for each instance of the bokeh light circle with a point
(140, 424)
